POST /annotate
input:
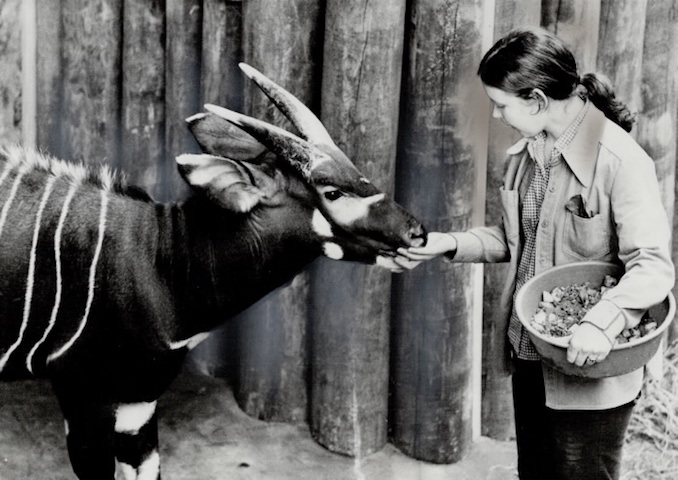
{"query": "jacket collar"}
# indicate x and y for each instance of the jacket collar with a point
(582, 152)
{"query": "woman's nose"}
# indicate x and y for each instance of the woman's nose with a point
(495, 112)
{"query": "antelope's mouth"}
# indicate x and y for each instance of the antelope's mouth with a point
(417, 236)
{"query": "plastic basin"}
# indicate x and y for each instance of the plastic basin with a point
(624, 357)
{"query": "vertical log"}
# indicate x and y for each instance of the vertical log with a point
(280, 38)
(444, 133)
(222, 84)
(222, 80)
(658, 120)
(29, 64)
(497, 402)
(91, 59)
(362, 67)
(673, 66)
(620, 47)
(10, 71)
(143, 93)
(576, 22)
(49, 84)
(657, 124)
(182, 94)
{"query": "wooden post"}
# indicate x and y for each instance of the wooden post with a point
(620, 47)
(29, 64)
(280, 38)
(222, 84)
(91, 55)
(362, 67)
(657, 122)
(444, 133)
(182, 94)
(49, 85)
(497, 401)
(576, 22)
(10, 71)
(222, 80)
(673, 65)
(143, 93)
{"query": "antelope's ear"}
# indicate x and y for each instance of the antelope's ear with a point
(218, 136)
(233, 185)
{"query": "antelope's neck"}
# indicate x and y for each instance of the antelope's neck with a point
(222, 263)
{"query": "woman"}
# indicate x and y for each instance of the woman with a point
(576, 187)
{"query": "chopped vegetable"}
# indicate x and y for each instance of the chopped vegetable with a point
(562, 309)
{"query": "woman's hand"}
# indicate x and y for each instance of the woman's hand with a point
(437, 243)
(588, 345)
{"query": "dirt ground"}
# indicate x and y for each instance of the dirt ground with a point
(205, 436)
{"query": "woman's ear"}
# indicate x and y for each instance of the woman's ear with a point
(541, 101)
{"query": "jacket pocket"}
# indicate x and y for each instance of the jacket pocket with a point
(510, 214)
(587, 238)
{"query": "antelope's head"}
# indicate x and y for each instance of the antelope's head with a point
(353, 219)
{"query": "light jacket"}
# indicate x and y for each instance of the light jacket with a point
(620, 220)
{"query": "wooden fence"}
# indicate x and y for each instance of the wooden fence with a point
(364, 358)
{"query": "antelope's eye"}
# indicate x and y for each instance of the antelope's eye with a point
(332, 195)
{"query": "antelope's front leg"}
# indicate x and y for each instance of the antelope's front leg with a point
(136, 441)
(89, 436)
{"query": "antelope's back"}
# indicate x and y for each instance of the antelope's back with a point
(55, 242)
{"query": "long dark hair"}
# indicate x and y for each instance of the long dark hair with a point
(529, 58)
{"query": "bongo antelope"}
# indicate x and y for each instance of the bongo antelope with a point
(104, 291)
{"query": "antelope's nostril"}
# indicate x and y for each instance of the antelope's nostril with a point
(417, 236)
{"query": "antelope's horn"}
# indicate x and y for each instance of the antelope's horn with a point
(304, 120)
(297, 151)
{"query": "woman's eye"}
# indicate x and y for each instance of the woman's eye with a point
(332, 195)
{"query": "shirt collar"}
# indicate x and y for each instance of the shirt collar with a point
(582, 151)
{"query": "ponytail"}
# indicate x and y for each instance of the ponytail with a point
(598, 89)
(529, 58)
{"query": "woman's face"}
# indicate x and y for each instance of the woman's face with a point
(519, 113)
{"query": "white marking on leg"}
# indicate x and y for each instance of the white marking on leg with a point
(57, 266)
(31, 263)
(92, 278)
(150, 467)
(191, 343)
(148, 470)
(128, 471)
(131, 417)
(3, 218)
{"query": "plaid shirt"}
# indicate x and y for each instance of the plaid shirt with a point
(530, 220)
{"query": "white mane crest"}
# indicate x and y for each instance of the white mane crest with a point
(29, 159)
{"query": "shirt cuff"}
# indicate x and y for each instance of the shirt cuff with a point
(469, 247)
(450, 254)
(606, 315)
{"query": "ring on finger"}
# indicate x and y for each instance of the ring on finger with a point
(590, 361)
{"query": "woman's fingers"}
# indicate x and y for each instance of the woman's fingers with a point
(437, 243)
(587, 346)
(396, 264)
(417, 254)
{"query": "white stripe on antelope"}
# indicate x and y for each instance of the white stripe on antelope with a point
(103, 291)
